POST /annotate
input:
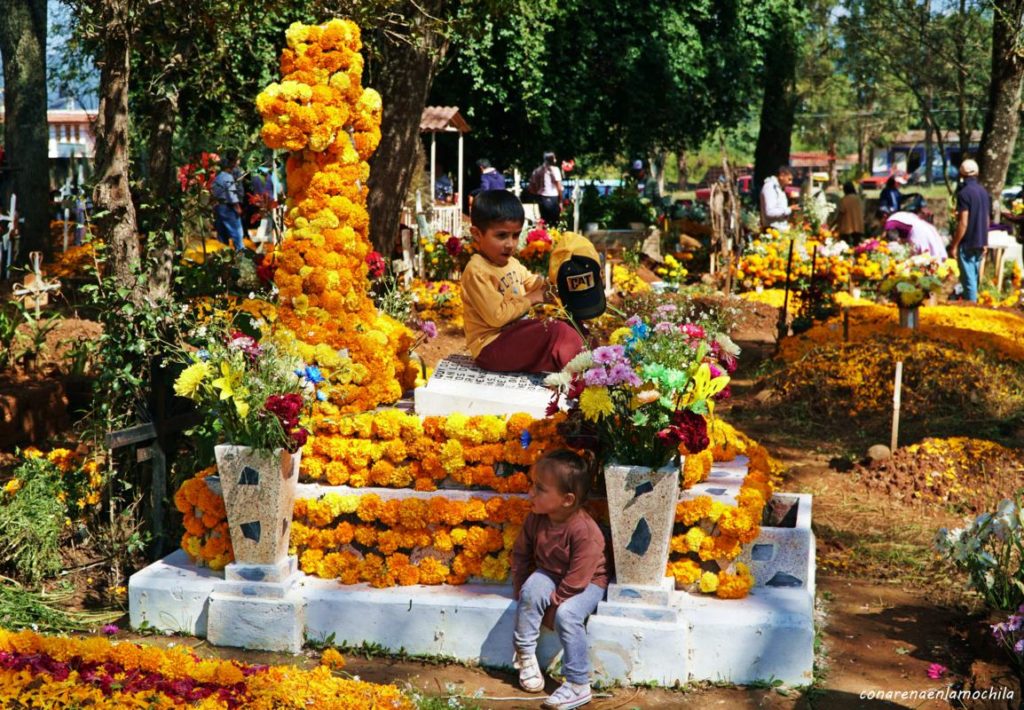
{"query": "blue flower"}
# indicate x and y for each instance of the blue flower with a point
(203, 354)
(321, 395)
(525, 439)
(640, 330)
(311, 373)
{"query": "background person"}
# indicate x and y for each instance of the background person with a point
(490, 179)
(970, 238)
(890, 198)
(921, 236)
(228, 191)
(849, 216)
(775, 209)
(546, 184)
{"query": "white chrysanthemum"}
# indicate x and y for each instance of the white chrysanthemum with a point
(558, 379)
(583, 361)
(727, 344)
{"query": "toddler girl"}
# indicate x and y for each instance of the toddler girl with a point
(559, 572)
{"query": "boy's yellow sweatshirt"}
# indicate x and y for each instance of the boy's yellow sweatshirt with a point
(492, 297)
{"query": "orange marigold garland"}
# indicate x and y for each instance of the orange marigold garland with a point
(331, 124)
(393, 449)
(206, 541)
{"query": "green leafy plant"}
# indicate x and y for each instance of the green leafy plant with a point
(8, 331)
(32, 338)
(32, 517)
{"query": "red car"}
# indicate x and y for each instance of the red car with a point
(746, 183)
(877, 182)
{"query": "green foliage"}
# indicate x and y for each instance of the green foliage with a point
(938, 54)
(9, 321)
(392, 299)
(602, 79)
(622, 207)
(135, 332)
(21, 608)
(33, 520)
(32, 338)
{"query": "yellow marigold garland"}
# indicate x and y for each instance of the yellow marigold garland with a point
(710, 534)
(96, 673)
(331, 124)
(461, 538)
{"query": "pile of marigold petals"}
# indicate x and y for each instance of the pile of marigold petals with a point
(963, 472)
(50, 672)
(321, 113)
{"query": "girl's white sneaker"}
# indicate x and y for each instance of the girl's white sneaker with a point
(530, 678)
(569, 696)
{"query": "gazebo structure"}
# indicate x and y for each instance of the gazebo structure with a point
(443, 119)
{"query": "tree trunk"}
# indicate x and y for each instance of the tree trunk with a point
(112, 194)
(162, 118)
(26, 131)
(403, 78)
(684, 178)
(1002, 117)
(778, 106)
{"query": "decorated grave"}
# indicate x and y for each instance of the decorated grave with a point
(403, 523)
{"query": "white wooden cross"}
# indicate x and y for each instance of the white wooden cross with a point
(7, 240)
(66, 191)
(35, 287)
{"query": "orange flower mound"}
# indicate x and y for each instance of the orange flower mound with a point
(331, 124)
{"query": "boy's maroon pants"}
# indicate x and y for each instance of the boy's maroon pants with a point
(530, 345)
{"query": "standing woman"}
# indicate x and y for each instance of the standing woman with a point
(546, 183)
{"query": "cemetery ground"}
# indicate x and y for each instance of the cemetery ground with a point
(888, 608)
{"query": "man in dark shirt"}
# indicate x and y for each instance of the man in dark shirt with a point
(973, 206)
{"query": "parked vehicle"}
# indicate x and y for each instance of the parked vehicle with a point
(746, 186)
(877, 182)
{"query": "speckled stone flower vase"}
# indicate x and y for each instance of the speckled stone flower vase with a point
(642, 511)
(910, 317)
(259, 496)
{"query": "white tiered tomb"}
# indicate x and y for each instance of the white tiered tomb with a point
(768, 635)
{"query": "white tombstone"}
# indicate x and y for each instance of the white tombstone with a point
(459, 386)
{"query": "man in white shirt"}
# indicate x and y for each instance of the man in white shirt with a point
(775, 209)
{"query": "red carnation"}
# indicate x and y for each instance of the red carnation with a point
(453, 246)
(691, 429)
(299, 436)
(285, 407)
(376, 265)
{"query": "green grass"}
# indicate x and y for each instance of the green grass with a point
(22, 608)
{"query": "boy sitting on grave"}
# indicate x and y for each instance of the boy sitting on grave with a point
(498, 293)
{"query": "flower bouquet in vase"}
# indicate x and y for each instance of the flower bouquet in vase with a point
(252, 395)
(640, 403)
(912, 281)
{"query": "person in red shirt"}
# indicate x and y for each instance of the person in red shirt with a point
(559, 572)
